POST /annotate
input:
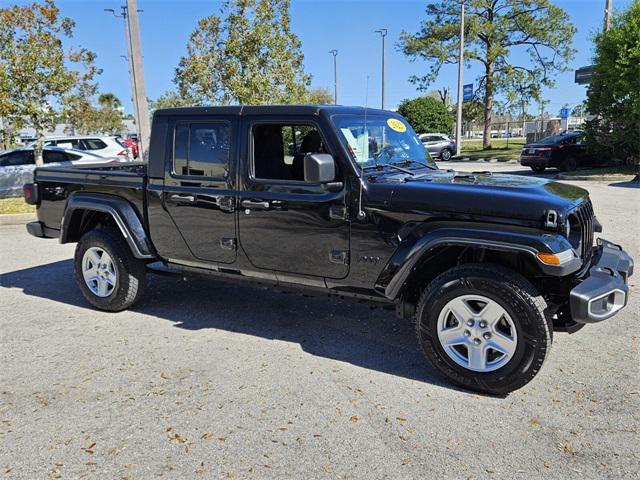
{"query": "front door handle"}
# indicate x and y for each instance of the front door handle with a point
(258, 205)
(182, 198)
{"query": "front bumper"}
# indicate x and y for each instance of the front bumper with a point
(603, 291)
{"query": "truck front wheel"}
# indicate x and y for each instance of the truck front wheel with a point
(484, 328)
(108, 275)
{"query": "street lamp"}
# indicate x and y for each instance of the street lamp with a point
(460, 67)
(383, 34)
(335, 75)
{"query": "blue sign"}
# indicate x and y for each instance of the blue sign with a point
(467, 92)
(564, 112)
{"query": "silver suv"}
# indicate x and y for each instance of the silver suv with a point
(438, 145)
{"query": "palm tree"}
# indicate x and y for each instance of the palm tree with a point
(109, 100)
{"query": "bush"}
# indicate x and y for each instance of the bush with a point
(426, 114)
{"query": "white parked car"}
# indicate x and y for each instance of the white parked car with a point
(17, 166)
(103, 145)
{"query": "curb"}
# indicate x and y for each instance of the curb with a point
(17, 218)
(596, 178)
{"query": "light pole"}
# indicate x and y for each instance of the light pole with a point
(129, 13)
(383, 34)
(335, 75)
(607, 14)
(460, 67)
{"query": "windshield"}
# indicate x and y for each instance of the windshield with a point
(381, 140)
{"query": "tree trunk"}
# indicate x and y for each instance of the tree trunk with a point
(488, 105)
(37, 149)
(524, 119)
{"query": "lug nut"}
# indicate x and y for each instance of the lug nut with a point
(483, 324)
(467, 333)
(477, 341)
(487, 336)
(470, 323)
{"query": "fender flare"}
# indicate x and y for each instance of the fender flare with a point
(123, 214)
(412, 250)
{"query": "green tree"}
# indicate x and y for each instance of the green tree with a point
(246, 55)
(496, 31)
(84, 117)
(171, 99)
(320, 96)
(472, 112)
(36, 73)
(580, 110)
(426, 114)
(614, 93)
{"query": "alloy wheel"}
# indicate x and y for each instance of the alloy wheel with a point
(99, 272)
(477, 333)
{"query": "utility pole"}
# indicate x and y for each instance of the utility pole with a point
(383, 34)
(607, 14)
(335, 75)
(129, 13)
(460, 67)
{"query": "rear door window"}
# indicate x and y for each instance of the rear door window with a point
(202, 149)
(53, 156)
(70, 143)
(14, 159)
(94, 144)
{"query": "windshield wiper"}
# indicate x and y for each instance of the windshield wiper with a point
(406, 162)
(380, 166)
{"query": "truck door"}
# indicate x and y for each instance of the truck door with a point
(285, 224)
(199, 190)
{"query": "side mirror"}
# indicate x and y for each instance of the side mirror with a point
(319, 168)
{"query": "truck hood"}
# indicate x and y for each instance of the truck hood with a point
(512, 197)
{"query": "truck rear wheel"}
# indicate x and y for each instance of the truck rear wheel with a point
(484, 328)
(108, 275)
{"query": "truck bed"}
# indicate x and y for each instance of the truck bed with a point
(55, 184)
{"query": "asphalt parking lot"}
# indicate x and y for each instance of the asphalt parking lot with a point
(214, 380)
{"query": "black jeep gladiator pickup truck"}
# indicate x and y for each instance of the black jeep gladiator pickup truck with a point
(344, 201)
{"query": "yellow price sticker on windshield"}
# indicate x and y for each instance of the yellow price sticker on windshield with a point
(396, 125)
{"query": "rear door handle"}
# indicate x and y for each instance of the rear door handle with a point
(253, 204)
(182, 198)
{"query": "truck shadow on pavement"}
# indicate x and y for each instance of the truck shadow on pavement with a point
(330, 328)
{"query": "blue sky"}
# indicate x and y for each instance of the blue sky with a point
(321, 25)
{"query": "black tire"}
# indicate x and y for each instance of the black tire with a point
(526, 307)
(569, 164)
(538, 168)
(129, 272)
(445, 154)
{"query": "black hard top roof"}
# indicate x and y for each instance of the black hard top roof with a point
(271, 110)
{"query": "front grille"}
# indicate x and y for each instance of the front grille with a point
(584, 216)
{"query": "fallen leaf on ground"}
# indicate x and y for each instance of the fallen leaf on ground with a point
(355, 418)
(90, 449)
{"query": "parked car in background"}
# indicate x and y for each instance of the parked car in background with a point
(132, 143)
(438, 145)
(17, 166)
(102, 145)
(564, 152)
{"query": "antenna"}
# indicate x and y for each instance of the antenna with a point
(365, 138)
